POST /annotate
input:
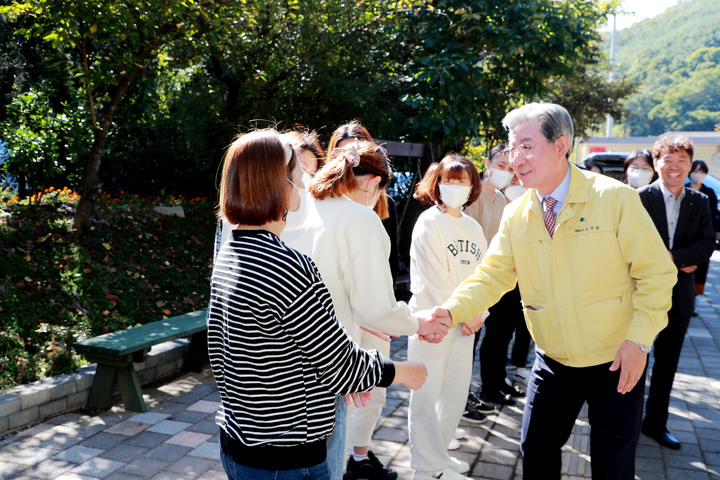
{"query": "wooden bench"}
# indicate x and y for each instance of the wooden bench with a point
(116, 352)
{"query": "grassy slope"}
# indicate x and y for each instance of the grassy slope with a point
(135, 267)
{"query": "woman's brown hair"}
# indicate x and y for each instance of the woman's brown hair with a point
(307, 141)
(353, 130)
(254, 185)
(428, 190)
(339, 175)
(347, 131)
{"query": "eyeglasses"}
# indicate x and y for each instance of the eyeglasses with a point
(521, 151)
(644, 168)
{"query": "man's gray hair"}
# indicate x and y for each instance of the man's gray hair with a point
(554, 120)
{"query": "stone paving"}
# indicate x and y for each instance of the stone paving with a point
(177, 438)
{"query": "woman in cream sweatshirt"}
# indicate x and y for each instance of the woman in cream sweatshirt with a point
(446, 247)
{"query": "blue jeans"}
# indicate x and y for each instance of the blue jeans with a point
(336, 441)
(235, 471)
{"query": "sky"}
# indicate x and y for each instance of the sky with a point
(639, 10)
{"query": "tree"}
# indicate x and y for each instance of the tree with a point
(589, 96)
(441, 71)
(692, 101)
(314, 63)
(678, 90)
(43, 142)
(469, 62)
(108, 46)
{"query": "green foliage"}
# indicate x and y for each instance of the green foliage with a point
(317, 63)
(107, 47)
(175, 139)
(134, 267)
(439, 71)
(44, 145)
(473, 61)
(165, 86)
(675, 59)
(589, 96)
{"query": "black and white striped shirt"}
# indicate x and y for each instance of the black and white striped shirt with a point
(277, 351)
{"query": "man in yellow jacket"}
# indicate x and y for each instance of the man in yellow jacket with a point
(596, 283)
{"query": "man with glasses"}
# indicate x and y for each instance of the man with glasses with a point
(595, 280)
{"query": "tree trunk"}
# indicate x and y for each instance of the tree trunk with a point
(91, 187)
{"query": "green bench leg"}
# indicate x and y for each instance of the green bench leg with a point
(125, 377)
(130, 390)
(102, 387)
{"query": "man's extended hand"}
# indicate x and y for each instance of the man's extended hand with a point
(433, 324)
(631, 362)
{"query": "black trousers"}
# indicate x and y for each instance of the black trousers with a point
(556, 393)
(506, 317)
(666, 352)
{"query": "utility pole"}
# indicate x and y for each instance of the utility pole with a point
(610, 121)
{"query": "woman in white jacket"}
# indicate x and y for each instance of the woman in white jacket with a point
(346, 240)
(446, 247)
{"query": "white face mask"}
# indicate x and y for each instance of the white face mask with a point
(697, 177)
(454, 196)
(297, 218)
(639, 178)
(500, 178)
(514, 192)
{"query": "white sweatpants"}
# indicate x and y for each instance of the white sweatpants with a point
(362, 421)
(436, 408)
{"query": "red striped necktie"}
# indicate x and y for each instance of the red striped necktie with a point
(549, 205)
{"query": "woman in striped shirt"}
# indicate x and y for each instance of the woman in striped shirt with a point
(277, 352)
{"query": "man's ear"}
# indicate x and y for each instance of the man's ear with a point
(562, 144)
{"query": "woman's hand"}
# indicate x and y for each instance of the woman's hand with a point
(359, 399)
(472, 326)
(380, 335)
(410, 374)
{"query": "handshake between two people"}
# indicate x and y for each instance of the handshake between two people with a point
(433, 325)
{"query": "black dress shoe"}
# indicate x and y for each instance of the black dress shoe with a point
(498, 398)
(662, 436)
(512, 390)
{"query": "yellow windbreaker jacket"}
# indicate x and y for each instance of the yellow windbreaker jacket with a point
(605, 277)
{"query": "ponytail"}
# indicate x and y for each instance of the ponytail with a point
(339, 175)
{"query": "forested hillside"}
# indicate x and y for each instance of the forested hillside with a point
(675, 58)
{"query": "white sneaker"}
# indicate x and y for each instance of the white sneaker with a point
(460, 466)
(460, 433)
(454, 444)
(522, 375)
(448, 474)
